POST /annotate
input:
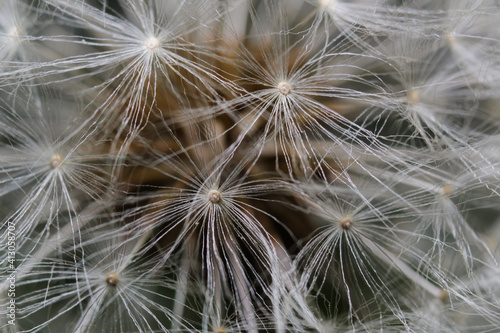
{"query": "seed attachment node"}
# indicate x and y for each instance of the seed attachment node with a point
(152, 43)
(112, 280)
(55, 161)
(346, 223)
(284, 88)
(214, 196)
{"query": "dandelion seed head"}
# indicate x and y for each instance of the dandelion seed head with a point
(55, 161)
(152, 43)
(214, 196)
(284, 88)
(186, 180)
(112, 280)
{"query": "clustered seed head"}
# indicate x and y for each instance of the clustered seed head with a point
(251, 166)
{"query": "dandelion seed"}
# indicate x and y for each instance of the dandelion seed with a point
(95, 299)
(361, 20)
(295, 107)
(443, 193)
(15, 23)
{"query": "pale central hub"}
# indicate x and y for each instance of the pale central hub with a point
(284, 88)
(346, 223)
(413, 96)
(112, 280)
(214, 196)
(152, 43)
(55, 161)
(328, 3)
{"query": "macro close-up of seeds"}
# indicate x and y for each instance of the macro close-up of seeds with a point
(250, 166)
